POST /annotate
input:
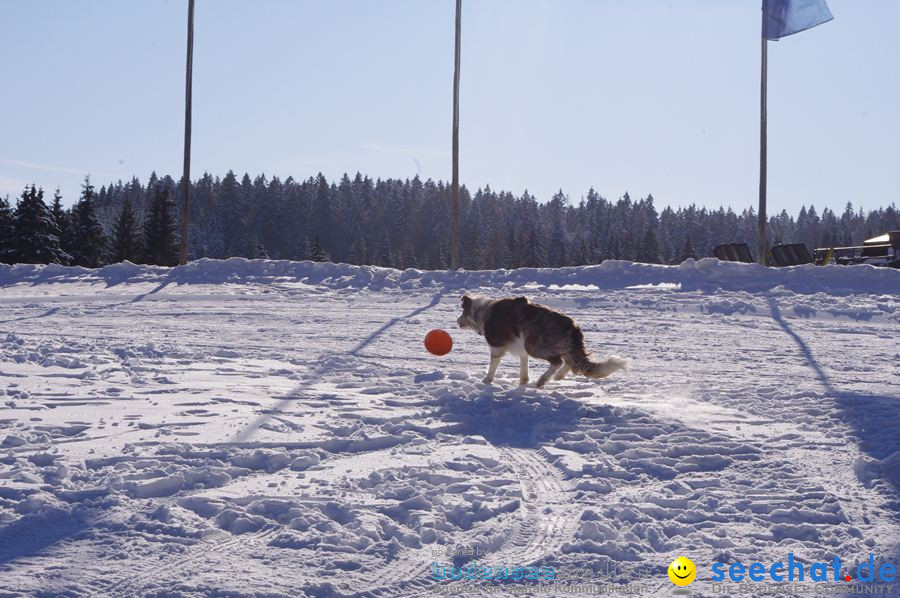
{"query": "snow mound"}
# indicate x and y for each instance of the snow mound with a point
(705, 274)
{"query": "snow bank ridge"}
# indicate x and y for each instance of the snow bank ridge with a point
(705, 274)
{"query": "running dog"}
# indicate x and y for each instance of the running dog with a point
(523, 328)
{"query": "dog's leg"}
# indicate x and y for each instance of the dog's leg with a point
(565, 369)
(496, 354)
(555, 363)
(523, 369)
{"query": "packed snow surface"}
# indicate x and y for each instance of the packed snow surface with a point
(264, 428)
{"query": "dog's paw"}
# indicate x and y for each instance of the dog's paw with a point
(487, 379)
(523, 381)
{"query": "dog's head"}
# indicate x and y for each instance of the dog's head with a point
(474, 312)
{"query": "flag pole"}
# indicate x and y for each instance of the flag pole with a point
(186, 176)
(454, 210)
(761, 249)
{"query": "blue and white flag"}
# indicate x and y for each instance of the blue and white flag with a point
(787, 17)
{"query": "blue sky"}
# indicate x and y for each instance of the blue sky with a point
(639, 95)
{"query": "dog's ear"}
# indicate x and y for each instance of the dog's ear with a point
(466, 303)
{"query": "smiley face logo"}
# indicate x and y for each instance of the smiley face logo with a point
(682, 571)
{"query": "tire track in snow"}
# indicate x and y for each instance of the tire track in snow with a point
(549, 512)
(176, 566)
(546, 520)
(210, 545)
(809, 481)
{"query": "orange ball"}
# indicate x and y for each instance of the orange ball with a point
(438, 342)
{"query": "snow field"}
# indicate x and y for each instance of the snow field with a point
(277, 429)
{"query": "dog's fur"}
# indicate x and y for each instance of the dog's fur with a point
(523, 328)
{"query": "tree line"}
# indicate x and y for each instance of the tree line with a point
(40, 234)
(391, 222)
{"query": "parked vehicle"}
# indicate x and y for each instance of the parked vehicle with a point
(883, 250)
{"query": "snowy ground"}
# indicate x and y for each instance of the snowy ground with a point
(272, 428)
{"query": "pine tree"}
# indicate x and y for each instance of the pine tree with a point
(88, 239)
(323, 212)
(259, 251)
(7, 230)
(668, 227)
(126, 241)
(536, 256)
(206, 237)
(891, 218)
(830, 230)
(36, 237)
(160, 241)
(649, 253)
(473, 243)
(63, 220)
(582, 254)
(270, 216)
(814, 231)
(301, 248)
(319, 254)
(688, 251)
(510, 253)
(614, 248)
(847, 225)
(359, 254)
(235, 218)
(382, 254)
(558, 250)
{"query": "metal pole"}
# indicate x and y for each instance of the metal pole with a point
(186, 176)
(454, 218)
(761, 249)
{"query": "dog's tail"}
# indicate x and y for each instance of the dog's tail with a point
(582, 363)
